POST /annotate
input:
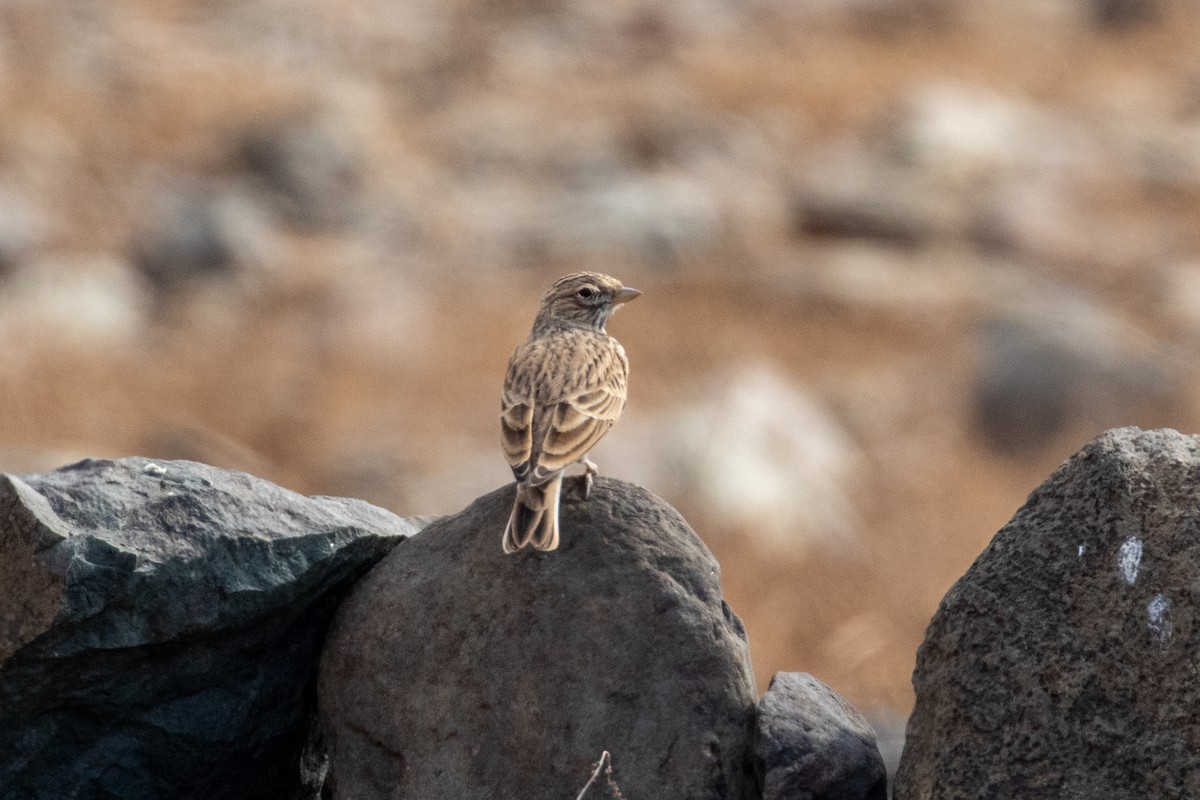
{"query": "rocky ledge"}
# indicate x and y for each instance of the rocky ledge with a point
(161, 625)
(159, 629)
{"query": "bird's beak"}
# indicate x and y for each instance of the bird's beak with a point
(625, 295)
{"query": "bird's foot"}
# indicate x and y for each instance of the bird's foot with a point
(590, 471)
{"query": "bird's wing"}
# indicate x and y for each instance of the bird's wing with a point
(576, 424)
(516, 429)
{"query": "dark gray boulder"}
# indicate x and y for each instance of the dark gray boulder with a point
(159, 629)
(454, 671)
(311, 166)
(1063, 664)
(810, 744)
(190, 236)
(1062, 363)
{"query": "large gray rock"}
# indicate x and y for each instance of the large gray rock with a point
(810, 744)
(195, 234)
(857, 195)
(311, 165)
(454, 671)
(1063, 663)
(159, 629)
(1061, 363)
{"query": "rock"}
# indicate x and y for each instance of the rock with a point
(660, 220)
(857, 196)
(1164, 157)
(1023, 389)
(196, 234)
(889, 738)
(957, 134)
(1123, 14)
(1063, 363)
(313, 169)
(656, 221)
(1043, 220)
(1063, 663)
(159, 627)
(810, 744)
(24, 228)
(85, 304)
(879, 18)
(757, 453)
(454, 671)
(922, 286)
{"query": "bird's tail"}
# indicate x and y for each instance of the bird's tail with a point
(534, 518)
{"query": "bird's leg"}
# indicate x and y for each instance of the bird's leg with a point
(590, 470)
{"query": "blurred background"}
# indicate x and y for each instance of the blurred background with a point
(900, 258)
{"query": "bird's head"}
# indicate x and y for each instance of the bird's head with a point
(584, 299)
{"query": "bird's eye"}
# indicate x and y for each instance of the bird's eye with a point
(586, 293)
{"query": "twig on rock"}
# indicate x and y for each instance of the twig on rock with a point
(616, 790)
(604, 761)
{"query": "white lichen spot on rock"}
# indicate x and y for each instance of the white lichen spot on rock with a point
(1082, 550)
(1129, 559)
(1158, 614)
(156, 470)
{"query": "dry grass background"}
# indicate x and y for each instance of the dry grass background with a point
(364, 357)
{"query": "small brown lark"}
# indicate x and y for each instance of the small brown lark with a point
(564, 389)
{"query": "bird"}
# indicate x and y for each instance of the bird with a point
(564, 388)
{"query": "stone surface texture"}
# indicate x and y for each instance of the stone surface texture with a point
(159, 629)
(1063, 664)
(454, 671)
(810, 744)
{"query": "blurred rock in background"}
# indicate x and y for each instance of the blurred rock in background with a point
(753, 454)
(899, 259)
(1060, 362)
